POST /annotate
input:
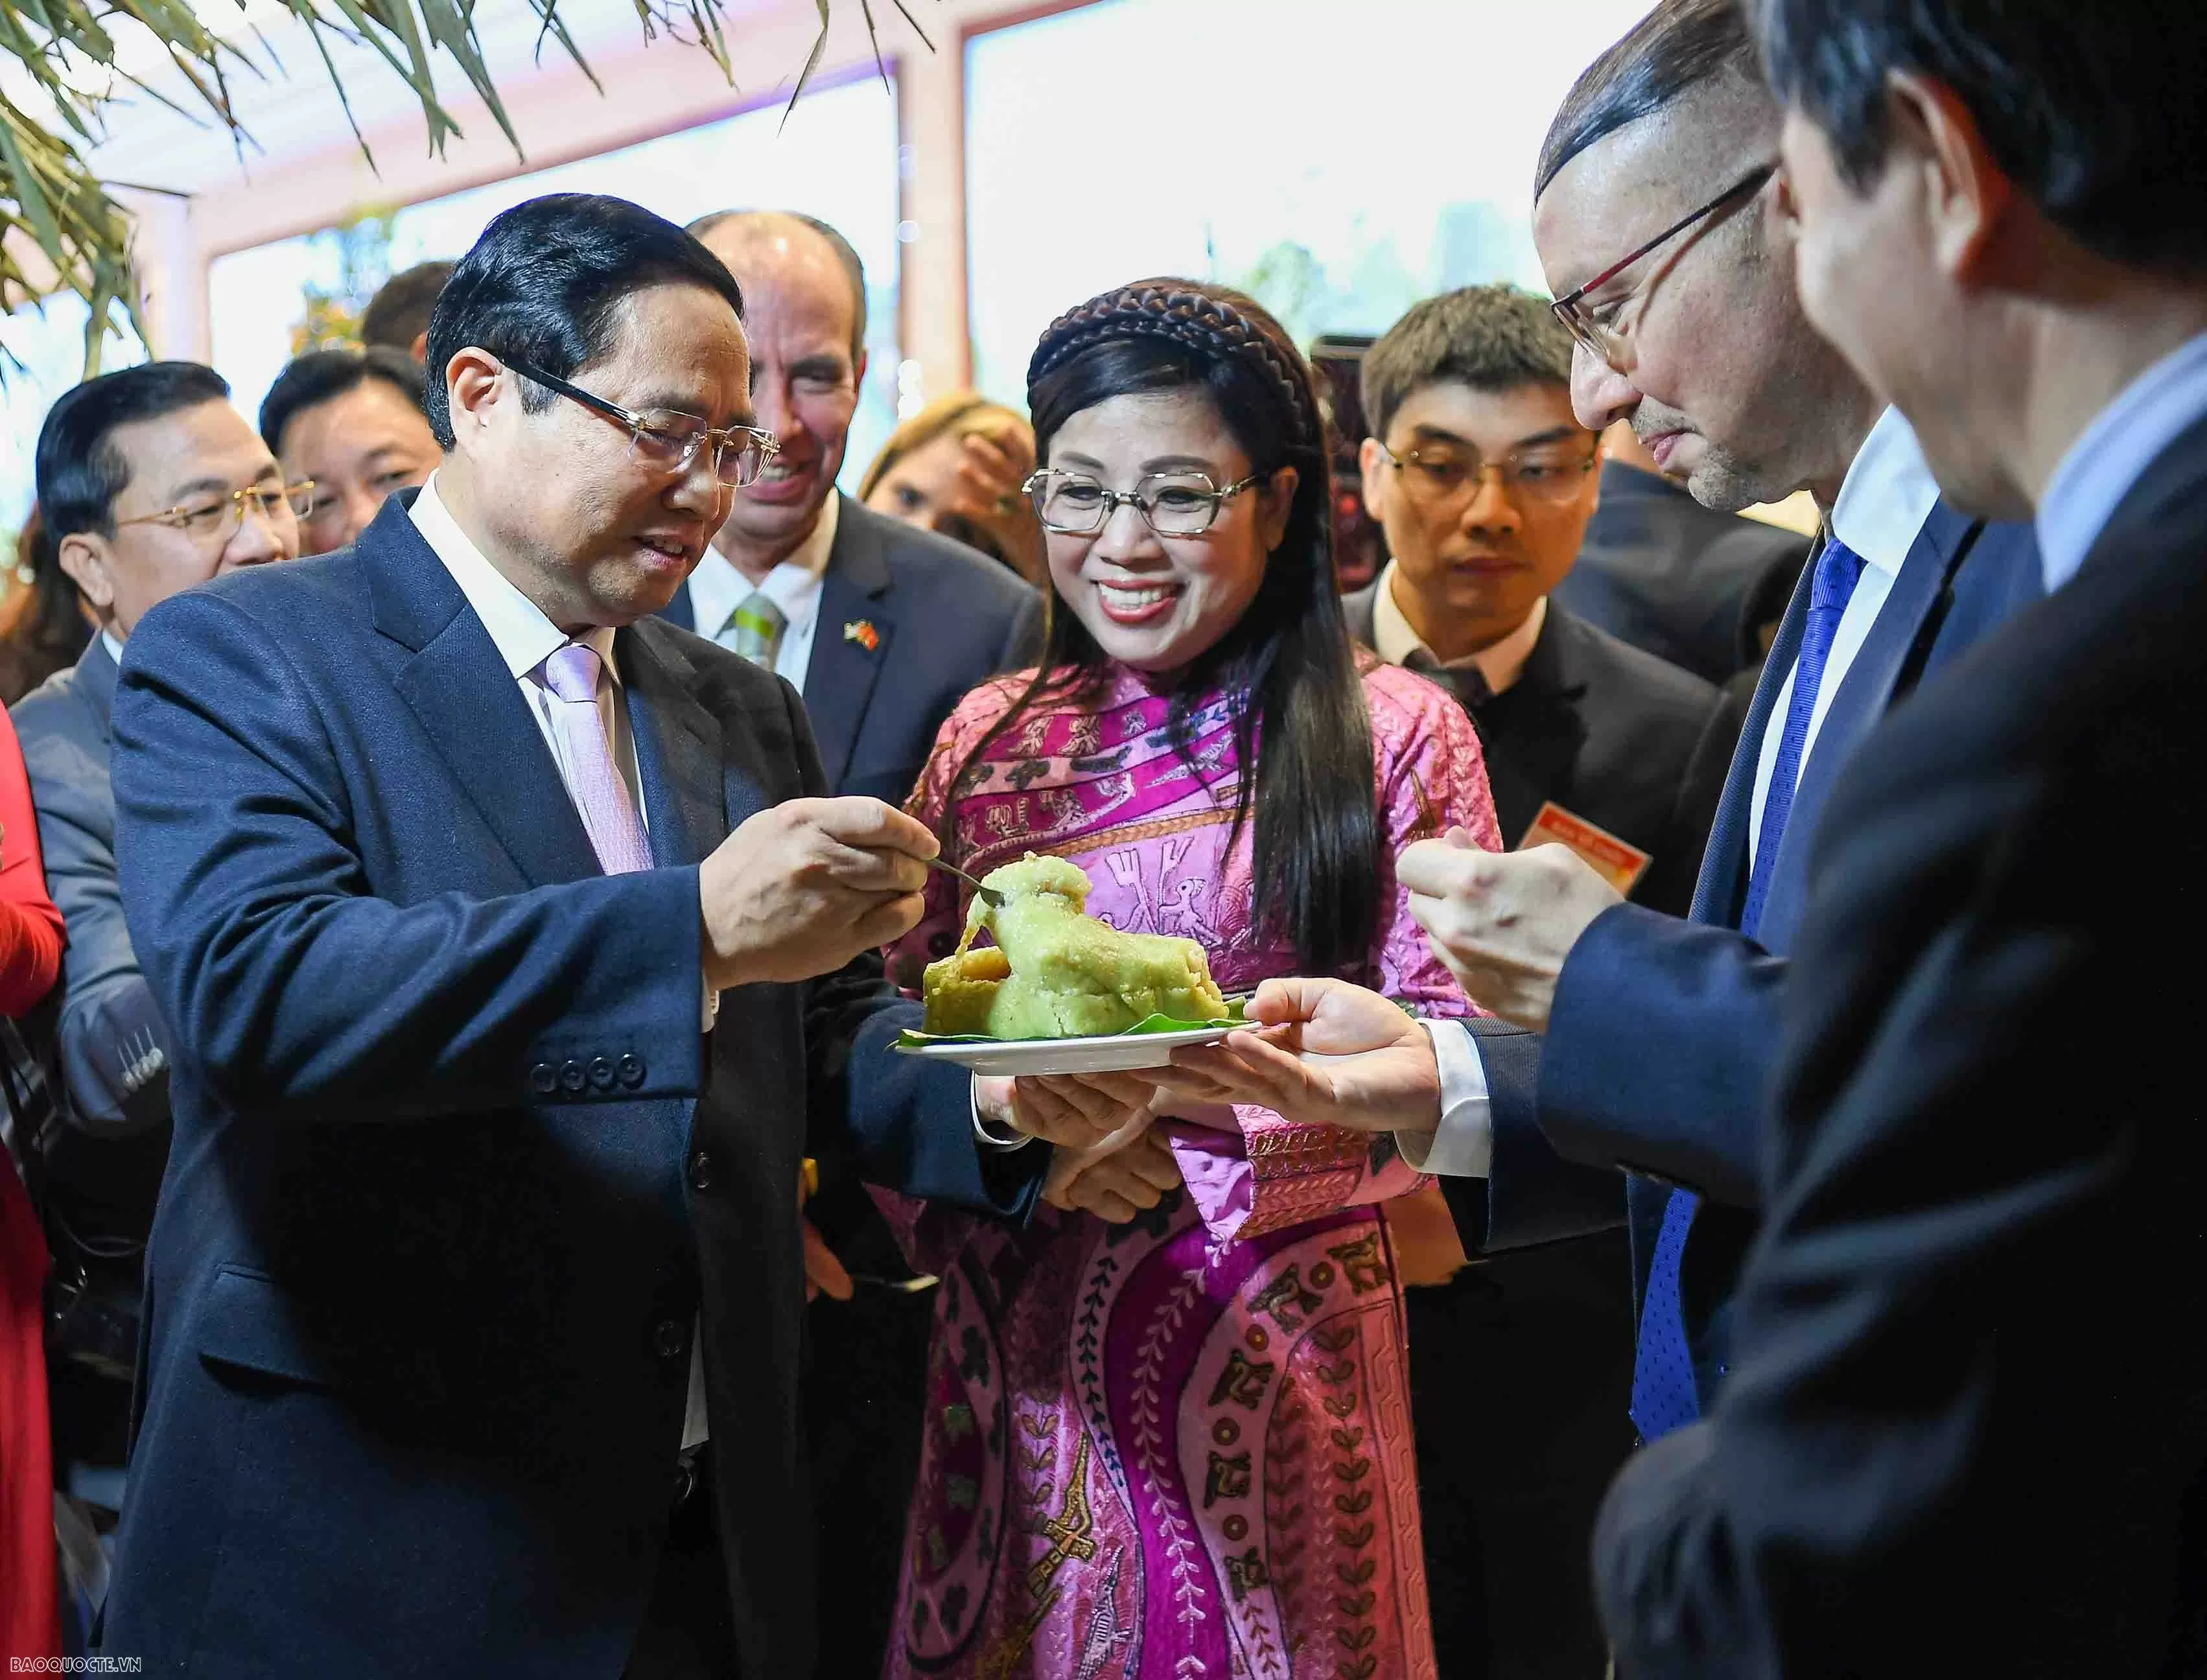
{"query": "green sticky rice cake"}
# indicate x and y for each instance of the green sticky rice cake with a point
(1056, 973)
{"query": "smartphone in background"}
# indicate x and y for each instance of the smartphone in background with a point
(1359, 549)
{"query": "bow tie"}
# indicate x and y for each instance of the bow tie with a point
(1466, 682)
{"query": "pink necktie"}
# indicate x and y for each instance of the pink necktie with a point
(599, 793)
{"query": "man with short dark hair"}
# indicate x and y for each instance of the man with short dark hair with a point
(510, 947)
(150, 482)
(398, 316)
(356, 424)
(1484, 480)
(883, 627)
(1628, 1041)
(1966, 1427)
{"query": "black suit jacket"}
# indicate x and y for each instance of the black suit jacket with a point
(1663, 572)
(947, 619)
(455, 1170)
(1966, 1427)
(1615, 736)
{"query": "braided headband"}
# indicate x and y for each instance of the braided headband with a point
(1191, 319)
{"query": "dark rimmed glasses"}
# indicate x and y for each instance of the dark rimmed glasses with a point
(1443, 477)
(220, 516)
(1605, 338)
(1170, 504)
(668, 441)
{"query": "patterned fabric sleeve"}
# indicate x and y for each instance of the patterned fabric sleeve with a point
(1274, 1174)
(930, 1236)
(944, 913)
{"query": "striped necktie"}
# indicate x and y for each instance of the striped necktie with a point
(1663, 1394)
(754, 629)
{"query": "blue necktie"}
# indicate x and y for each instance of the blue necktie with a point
(1663, 1396)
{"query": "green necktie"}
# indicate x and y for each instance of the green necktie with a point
(754, 629)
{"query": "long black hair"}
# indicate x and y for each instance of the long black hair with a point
(1301, 733)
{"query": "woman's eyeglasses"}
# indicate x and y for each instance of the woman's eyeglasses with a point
(666, 441)
(1605, 337)
(219, 517)
(1170, 504)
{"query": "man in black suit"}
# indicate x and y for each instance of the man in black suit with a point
(1687, 583)
(509, 943)
(1483, 482)
(1966, 1428)
(882, 628)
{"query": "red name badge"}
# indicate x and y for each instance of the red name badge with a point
(1617, 863)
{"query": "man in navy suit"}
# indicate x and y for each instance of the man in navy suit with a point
(882, 628)
(508, 942)
(1966, 1427)
(1629, 1041)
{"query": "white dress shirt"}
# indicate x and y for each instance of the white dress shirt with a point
(2112, 454)
(1500, 664)
(717, 588)
(1888, 494)
(524, 639)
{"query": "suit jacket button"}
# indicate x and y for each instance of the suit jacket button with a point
(573, 1078)
(543, 1079)
(701, 1171)
(630, 1072)
(667, 1339)
(601, 1072)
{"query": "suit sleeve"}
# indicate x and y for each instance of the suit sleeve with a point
(892, 1120)
(1530, 1194)
(1947, 1401)
(114, 1045)
(290, 984)
(1660, 1052)
(1023, 642)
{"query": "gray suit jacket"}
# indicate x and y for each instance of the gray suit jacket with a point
(114, 1047)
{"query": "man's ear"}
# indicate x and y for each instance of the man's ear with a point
(1967, 195)
(419, 350)
(1371, 461)
(473, 388)
(83, 556)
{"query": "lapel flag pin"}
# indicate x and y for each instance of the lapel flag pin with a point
(861, 631)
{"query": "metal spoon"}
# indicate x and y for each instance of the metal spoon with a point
(996, 899)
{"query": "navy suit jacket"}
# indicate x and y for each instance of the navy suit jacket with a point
(454, 1171)
(947, 619)
(1965, 1432)
(1662, 1035)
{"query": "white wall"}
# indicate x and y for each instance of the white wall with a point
(317, 178)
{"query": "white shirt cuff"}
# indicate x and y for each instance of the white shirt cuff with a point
(1464, 1146)
(982, 1132)
(712, 1009)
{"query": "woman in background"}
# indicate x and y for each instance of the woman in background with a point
(30, 959)
(957, 467)
(1180, 1443)
(43, 628)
